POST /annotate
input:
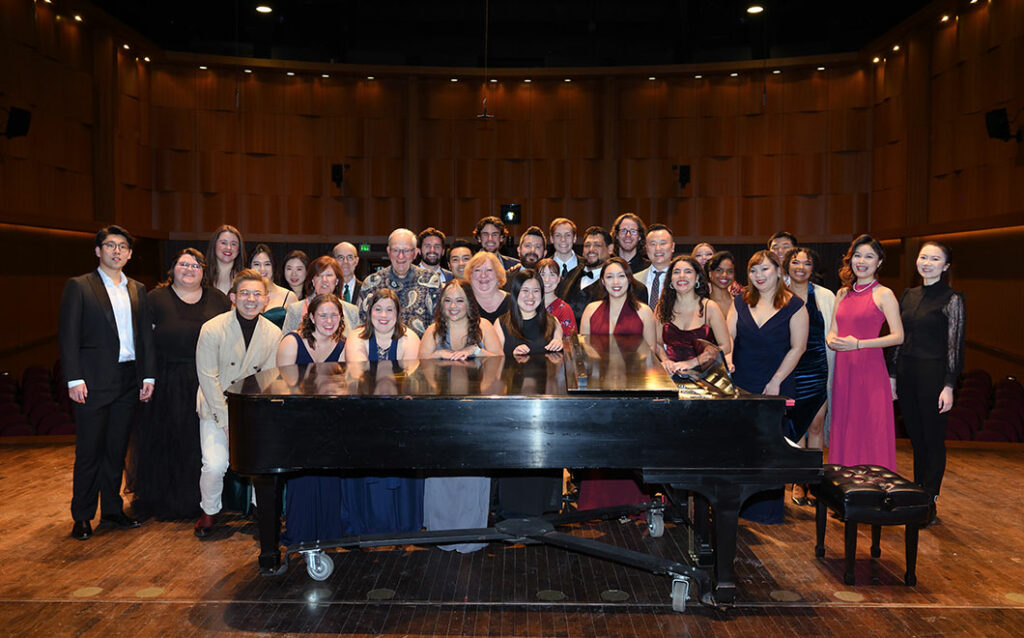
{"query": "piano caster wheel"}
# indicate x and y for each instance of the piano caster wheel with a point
(680, 590)
(319, 565)
(655, 523)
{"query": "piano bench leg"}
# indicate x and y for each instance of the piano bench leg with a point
(851, 552)
(820, 516)
(876, 539)
(910, 578)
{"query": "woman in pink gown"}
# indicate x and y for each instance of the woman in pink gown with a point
(862, 417)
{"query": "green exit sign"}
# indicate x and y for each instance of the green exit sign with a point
(364, 248)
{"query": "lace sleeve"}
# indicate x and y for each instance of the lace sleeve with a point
(892, 353)
(954, 311)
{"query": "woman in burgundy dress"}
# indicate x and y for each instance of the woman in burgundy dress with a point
(686, 314)
(620, 312)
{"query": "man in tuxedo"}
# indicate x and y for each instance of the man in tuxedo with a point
(348, 258)
(232, 346)
(581, 286)
(106, 351)
(563, 241)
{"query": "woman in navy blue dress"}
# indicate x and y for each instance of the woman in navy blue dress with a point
(313, 503)
(769, 331)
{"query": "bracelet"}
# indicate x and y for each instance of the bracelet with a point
(476, 353)
(858, 344)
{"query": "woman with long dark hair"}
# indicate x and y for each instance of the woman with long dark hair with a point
(294, 272)
(226, 251)
(458, 331)
(278, 297)
(929, 362)
(862, 425)
(619, 312)
(686, 314)
(721, 274)
(527, 328)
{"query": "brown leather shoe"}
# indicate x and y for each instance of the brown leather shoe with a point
(204, 526)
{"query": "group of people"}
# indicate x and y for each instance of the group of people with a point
(211, 323)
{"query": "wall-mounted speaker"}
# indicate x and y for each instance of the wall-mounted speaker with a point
(18, 121)
(338, 173)
(682, 174)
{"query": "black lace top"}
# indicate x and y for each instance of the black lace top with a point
(933, 326)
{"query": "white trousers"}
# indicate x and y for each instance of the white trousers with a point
(214, 443)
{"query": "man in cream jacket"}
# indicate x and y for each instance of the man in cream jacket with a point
(232, 346)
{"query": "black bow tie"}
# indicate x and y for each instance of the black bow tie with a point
(590, 273)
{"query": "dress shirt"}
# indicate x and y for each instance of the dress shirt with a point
(586, 280)
(651, 274)
(347, 289)
(565, 266)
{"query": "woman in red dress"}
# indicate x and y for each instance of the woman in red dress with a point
(620, 312)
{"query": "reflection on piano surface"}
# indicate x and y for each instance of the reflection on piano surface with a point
(605, 402)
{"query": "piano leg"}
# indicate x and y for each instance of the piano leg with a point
(268, 522)
(726, 515)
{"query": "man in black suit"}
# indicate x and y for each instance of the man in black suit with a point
(106, 350)
(347, 257)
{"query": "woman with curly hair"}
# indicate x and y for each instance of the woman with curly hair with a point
(458, 331)
(686, 314)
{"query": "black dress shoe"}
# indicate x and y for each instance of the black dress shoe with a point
(120, 520)
(82, 531)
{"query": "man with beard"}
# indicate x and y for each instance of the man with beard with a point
(418, 289)
(581, 285)
(629, 233)
(432, 252)
(531, 249)
(348, 258)
(490, 232)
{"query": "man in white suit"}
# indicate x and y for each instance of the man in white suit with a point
(231, 346)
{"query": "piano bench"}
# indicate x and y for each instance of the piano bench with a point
(876, 496)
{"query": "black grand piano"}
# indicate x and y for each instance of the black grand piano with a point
(603, 403)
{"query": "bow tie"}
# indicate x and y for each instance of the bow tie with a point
(590, 273)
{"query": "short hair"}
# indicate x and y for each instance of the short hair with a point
(430, 232)
(631, 299)
(599, 230)
(248, 274)
(307, 330)
(549, 264)
(666, 303)
(398, 232)
(210, 274)
(558, 221)
(752, 295)
(478, 260)
(640, 224)
(536, 232)
(191, 252)
(296, 254)
(846, 272)
(378, 294)
(512, 321)
(494, 221)
(460, 243)
(114, 229)
(783, 234)
(655, 227)
(473, 332)
(319, 265)
(716, 261)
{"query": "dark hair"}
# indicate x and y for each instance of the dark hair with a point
(302, 257)
(248, 274)
(536, 232)
(191, 252)
(751, 295)
(263, 248)
(494, 221)
(654, 227)
(114, 229)
(460, 243)
(473, 333)
(845, 272)
(430, 232)
(667, 303)
(308, 330)
(319, 265)
(375, 298)
(599, 230)
(210, 274)
(782, 234)
(945, 251)
(811, 254)
(512, 321)
(631, 299)
(641, 226)
(716, 261)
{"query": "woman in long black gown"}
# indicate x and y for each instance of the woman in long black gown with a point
(165, 456)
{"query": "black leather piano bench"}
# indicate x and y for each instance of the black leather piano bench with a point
(876, 496)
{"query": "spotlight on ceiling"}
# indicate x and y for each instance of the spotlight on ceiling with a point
(290, 73)
(698, 76)
(755, 9)
(246, 70)
(527, 80)
(454, 80)
(944, 18)
(264, 8)
(325, 75)
(370, 77)
(203, 67)
(78, 18)
(734, 74)
(876, 59)
(895, 47)
(567, 80)
(126, 47)
(146, 59)
(651, 78)
(494, 80)
(776, 71)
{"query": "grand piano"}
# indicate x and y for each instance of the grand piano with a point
(605, 402)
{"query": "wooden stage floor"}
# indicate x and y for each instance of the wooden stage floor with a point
(159, 580)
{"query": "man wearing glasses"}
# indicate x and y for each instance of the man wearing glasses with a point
(231, 346)
(418, 289)
(629, 233)
(106, 351)
(347, 257)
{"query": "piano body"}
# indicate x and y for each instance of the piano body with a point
(603, 403)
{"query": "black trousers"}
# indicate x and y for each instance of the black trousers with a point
(102, 426)
(918, 385)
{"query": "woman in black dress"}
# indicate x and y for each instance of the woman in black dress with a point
(527, 328)
(165, 457)
(928, 363)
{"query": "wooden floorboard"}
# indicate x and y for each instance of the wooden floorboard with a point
(160, 581)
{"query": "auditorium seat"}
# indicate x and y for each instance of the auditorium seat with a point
(956, 428)
(1011, 416)
(68, 427)
(967, 416)
(52, 422)
(992, 435)
(17, 429)
(42, 409)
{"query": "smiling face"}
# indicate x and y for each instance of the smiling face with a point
(432, 250)
(114, 252)
(295, 272)
(457, 260)
(764, 276)
(454, 304)
(262, 264)
(325, 281)
(326, 319)
(550, 279)
(347, 257)
(250, 297)
(684, 277)
(801, 267)
(595, 250)
(616, 283)
(530, 297)
(660, 247)
(864, 262)
(483, 278)
(187, 272)
(384, 315)
(931, 263)
(531, 250)
(563, 239)
(490, 238)
(402, 252)
(227, 247)
(723, 276)
(780, 245)
(628, 235)
(702, 253)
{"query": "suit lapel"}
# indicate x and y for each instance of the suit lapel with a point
(102, 298)
(237, 339)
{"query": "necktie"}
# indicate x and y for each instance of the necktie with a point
(348, 294)
(565, 271)
(589, 273)
(656, 288)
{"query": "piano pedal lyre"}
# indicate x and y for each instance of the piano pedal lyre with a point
(680, 592)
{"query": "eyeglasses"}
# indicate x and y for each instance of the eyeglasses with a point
(402, 251)
(327, 316)
(490, 235)
(245, 294)
(631, 232)
(188, 266)
(116, 246)
(345, 258)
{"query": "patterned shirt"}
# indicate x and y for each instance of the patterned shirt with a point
(418, 293)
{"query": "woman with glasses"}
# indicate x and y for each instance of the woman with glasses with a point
(323, 276)
(165, 458)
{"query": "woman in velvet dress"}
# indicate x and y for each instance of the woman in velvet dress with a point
(814, 370)
(929, 362)
(382, 504)
(458, 333)
(313, 503)
(862, 423)
(686, 314)
(769, 331)
(165, 459)
(620, 312)
(278, 297)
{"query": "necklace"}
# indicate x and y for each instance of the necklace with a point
(864, 288)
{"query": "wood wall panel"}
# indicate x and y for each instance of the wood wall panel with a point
(805, 132)
(760, 134)
(803, 174)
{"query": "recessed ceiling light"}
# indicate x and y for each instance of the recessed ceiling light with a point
(145, 59)
(325, 75)
(263, 8)
(370, 77)
(202, 67)
(776, 72)
(494, 80)
(48, 1)
(974, 1)
(734, 74)
(876, 59)
(247, 70)
(290, 73)
(895, 47)
(527, 80)
(454, 80)
(944, 18)
(821, 68)
(755, 9)
(698, 76)
(567, 80)
(126, 47)
(651, 78)
(78, 18)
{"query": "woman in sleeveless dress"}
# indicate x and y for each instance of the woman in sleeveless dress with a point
(768, 325)
(814, 371)
(262, 261)
(165, 458)
(686, 314)
(555, 305)
(313, 502)
(458, 333)
(226, 252)
(372, 504)
(862, 425)
(486, 277)
(620, 312)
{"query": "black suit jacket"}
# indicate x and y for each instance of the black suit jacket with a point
(570, 292)
(356, 287)
(89, 343)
